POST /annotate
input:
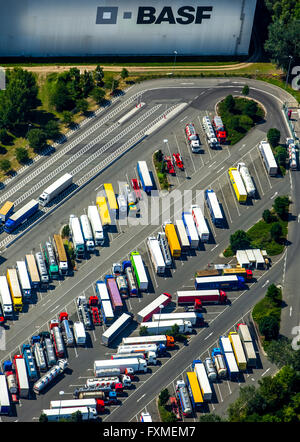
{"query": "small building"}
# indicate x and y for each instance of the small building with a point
(242, 259)
(251, 257)
(260, 260)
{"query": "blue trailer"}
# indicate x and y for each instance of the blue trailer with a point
(21, 216)
(144, 176)
(214, 208)
(228, 282)
(30, 363)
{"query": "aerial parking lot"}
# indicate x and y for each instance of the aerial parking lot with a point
(107, 151)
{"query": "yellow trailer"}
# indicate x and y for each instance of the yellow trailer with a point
(111, 197)
(237, 184)
(15, 290)
(6, 210)
(238, 350)
(239, 271)
(103, 210)
(194, 389)
(173, 240)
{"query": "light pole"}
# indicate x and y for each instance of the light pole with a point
(160, 309)
(175, 53)
(288, 73)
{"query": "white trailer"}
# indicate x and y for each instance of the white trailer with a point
(146, 313)
(122, 203)
(186, 316)
(158, 339)
(182, 235)
(191, 229)
(102, 292)
(141, 348)
(139, 271)
(54, 415)
(4, 396)
(5, 298)
(210, 133)
(40, 261)
(144, 175)
(156, 255)
(48, 377)
(56, 188)
(91, 403)
(33, 271)
(158, 327)
(87, 233)
(24, 278)
(203, 380)
(22, 377)
(77, 236)
(164, 246)
(96, 225)
(200, 223)
(247, 179)
(127, 194)
(268, 157)
(136, 364)
(116, 328)
(79, 333)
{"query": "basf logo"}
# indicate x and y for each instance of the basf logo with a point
(148, 15)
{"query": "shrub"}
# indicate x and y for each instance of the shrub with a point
(245, 90)
(5, 165)
(229, 103)
(4, 137)
(164, 397)
(273, 136)
(269, 327)
(52, 129)
(66, 231)
(239, 240)
(267, 216)
(276, 231)
(22, 155)
(37, 139)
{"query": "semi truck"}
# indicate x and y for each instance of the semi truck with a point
(210, 369)
(210, 133)
(103, 211)
(115, 297)
(55, 189)
(182, 236)
(137, 365)
(146, 313)
(51, 260)
(107, 312)
(167, 341)
(11, 378)
(230, 361)
(55, 415)
(111, 200)
(238, 350)
(21, 216)
(237, 184)
(229, 282)
(5, 406)
(127, 270)
(200, 223)
(247, 179)
(145, 417)
(214, 207)
(191, 230)
(5, 298)
(144, 175)
(268, 158)
(183, 397)
(90, 403)
(194, 390)
(33, 271)
(156, 255)
(49, 377)
(122, 286)
(79, 333)
(122, 203)
(38, 353)
(15, 289)
(48, 349)
(219, 362)
(164, 246)
(203, 380)
(61, 255)
(6, 210)
(139, 270)
(21, 375)
(202, 297)
(87, 233)
(30, 363)
(24, 280)
(247, 342)
(94, 310)
(108, 398)
(66, 329)
(159, 349)
(96, 225)
(40, 261)
(102, 292)
(77, 237)
(219, 129)
(116, 328)
(194, 318)
(192, 137)
(84, 313)
(159, 327)
(150, 356)
(57, 339)
(172, 238)
(239, 271)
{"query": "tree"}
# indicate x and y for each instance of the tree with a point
(124, 73)
(65, 231)
(276, 231)
(52, 129)
(37, 139)
(98, 75)
(164, 396)
(239, 240)
(60, 96)
(76, 417)
(87, 83)
(273, 136)
(98, 94)
(268, 327)
(229, 103)
(5, 165)
(235, 122)
(250, 109)
(22, 155)
(43, 418)
(280, 352)
(169, 417)
(4, 137)
(267, 216)
(281, 206)
(111, 83)
(143, 331)
(74, 84)
(82, 105)
(280, 155)
(210, 417)
(67, 117)
(245, 90)
(274, 293)
(246, 122)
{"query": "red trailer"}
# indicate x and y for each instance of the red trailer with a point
(93, 304)
(201, 296)
(219, 129)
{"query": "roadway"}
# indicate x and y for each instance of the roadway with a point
(202, 171)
